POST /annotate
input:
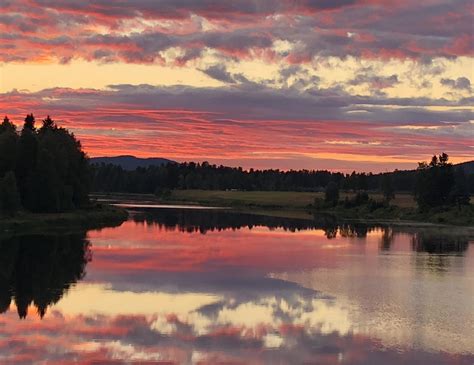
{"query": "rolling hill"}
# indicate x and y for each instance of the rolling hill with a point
(130, 163)
(468, 166)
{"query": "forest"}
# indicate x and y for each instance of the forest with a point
(439, 178)
(42, 170)
(155, 179)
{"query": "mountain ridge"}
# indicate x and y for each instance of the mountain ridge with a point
(129, 162)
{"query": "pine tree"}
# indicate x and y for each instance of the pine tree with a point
(9, 196)
(8, 146)
(331, 194)
(387, 188)
(460, 192)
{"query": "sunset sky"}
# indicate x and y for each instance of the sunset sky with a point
(366, 85)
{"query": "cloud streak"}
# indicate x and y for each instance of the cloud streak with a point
(240, 125)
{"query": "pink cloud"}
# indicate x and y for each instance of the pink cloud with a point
(38, 31)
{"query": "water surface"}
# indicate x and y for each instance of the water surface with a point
(190, 286)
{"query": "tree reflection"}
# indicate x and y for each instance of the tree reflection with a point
(39, 269)
(217, 220)
(435, 243)
(358, 230)
(386, 239)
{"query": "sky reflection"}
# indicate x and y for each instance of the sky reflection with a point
(254, 296)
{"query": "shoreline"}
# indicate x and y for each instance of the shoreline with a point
(96, 217)
(258, 203)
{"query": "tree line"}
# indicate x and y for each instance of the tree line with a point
(436, 184)
(155, 179)
(442, 178)
(41, 169)
(439, 183)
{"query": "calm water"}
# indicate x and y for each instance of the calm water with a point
(205, 287)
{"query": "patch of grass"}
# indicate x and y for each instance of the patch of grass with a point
(269, 199)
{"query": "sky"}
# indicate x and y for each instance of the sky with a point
(343, 85)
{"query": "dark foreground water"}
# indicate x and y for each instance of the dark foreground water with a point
(209, 287)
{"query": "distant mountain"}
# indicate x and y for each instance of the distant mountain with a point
(130, 163)
(468, 166)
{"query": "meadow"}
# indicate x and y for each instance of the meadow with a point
(271, 199)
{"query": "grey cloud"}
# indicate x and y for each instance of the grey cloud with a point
(417, 30)
(219, 73)
(248, 101)
(461, 83)
(182, 8)
(378, 82)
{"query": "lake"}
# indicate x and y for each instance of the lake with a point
(190, 286)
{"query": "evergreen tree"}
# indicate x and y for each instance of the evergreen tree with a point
(8, 146)
(47, 185)
(460, 193)
(9, 196)
(7, 126)
(29, 122)
(331, 194)
(51, 170)
(48, 123)
(387, 188)
(26, 163)
(434, 182)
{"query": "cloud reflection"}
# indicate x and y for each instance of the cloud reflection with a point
(158, 292)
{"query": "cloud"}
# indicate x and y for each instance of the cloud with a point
(375, 81)
(138, 31)
(220, 73)
(253, 125)
(461, 83)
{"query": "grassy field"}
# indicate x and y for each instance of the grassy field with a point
(268, 199)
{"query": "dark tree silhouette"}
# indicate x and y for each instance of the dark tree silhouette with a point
(51, 170)
(459, 194)
(29, 122)
(159, 180)
(434, 182)
(387, 188)
(7, 125)
(331, 194)
(26, 162)
(8, 147)
(9, 196)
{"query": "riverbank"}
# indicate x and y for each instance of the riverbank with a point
(97, 216)
(456, 216)
(402, 209)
